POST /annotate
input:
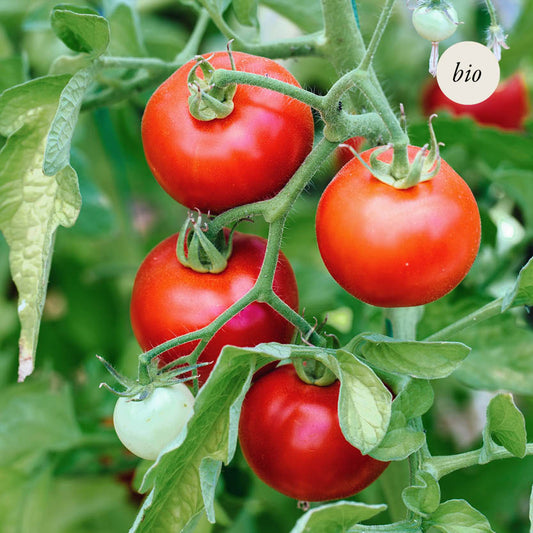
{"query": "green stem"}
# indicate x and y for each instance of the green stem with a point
(345, 50)
(195, 39)
(148, 63)
(278, 206)
(265, 279)
(490, 310)
(222, 78)
(290, 314)
(377, 35)
(283, 201)
(442, 465)
(114, 95)
(492, 13)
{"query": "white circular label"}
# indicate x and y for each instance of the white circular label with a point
(468, 73)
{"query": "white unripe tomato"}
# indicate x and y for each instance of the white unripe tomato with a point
(434, 23)
(145, 427)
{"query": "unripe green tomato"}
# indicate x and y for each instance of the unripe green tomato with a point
(435, 24)
(145, 427)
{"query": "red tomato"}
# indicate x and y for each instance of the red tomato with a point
(169, 300)
(218, 164)
(506, 108)
(343, 154)
(290, 435)
(397, 248)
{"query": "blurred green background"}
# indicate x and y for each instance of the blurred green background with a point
(62, 468)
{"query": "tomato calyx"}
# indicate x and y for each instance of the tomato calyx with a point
(206, 100)
(141, 389)
(424, 167)
(313, 372)
(199, 249)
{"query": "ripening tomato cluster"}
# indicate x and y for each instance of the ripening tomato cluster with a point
(385, 246)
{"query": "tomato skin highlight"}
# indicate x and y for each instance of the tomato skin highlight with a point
(290, 436)
(397, 248)
(169, 300)
(222, 163)
(506, 108)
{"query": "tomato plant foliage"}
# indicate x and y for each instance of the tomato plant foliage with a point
(433, 377)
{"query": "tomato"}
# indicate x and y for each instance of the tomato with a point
(290, 436)
(218, 164)
(435, 23)
(506, 108)
(397, 248)
(146, 427)
(343, 155)
(169, 300)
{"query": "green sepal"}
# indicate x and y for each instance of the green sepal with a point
(197, 249)
(206, 100)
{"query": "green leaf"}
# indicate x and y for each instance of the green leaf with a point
(415, 399)
(458, 516)
(424, 497)
(36, 501)
(37, 417)
(506, 424)
(32, 205)
(81, 29)
(18, 104)
(497, 365)
(126, 37)
(12, 72)
(400, 441)
(245, 11)
(57, 151)
(426, 360)
(185, 476)
(522, 292)
(364, 402)
(340, 516)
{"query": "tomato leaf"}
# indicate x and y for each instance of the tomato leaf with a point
(81, 29)
(125, 31)
(400, 441)
(12, 72)
(185, 474)
(426, 360)
(457, 516)
(37, 418)
(57, 151)
(364, 402)
(424, 496)
(339, 516)
(32, 205)
(415, 399)
(522, 292)
(506, 424)
(245, 11)
(497, 365)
